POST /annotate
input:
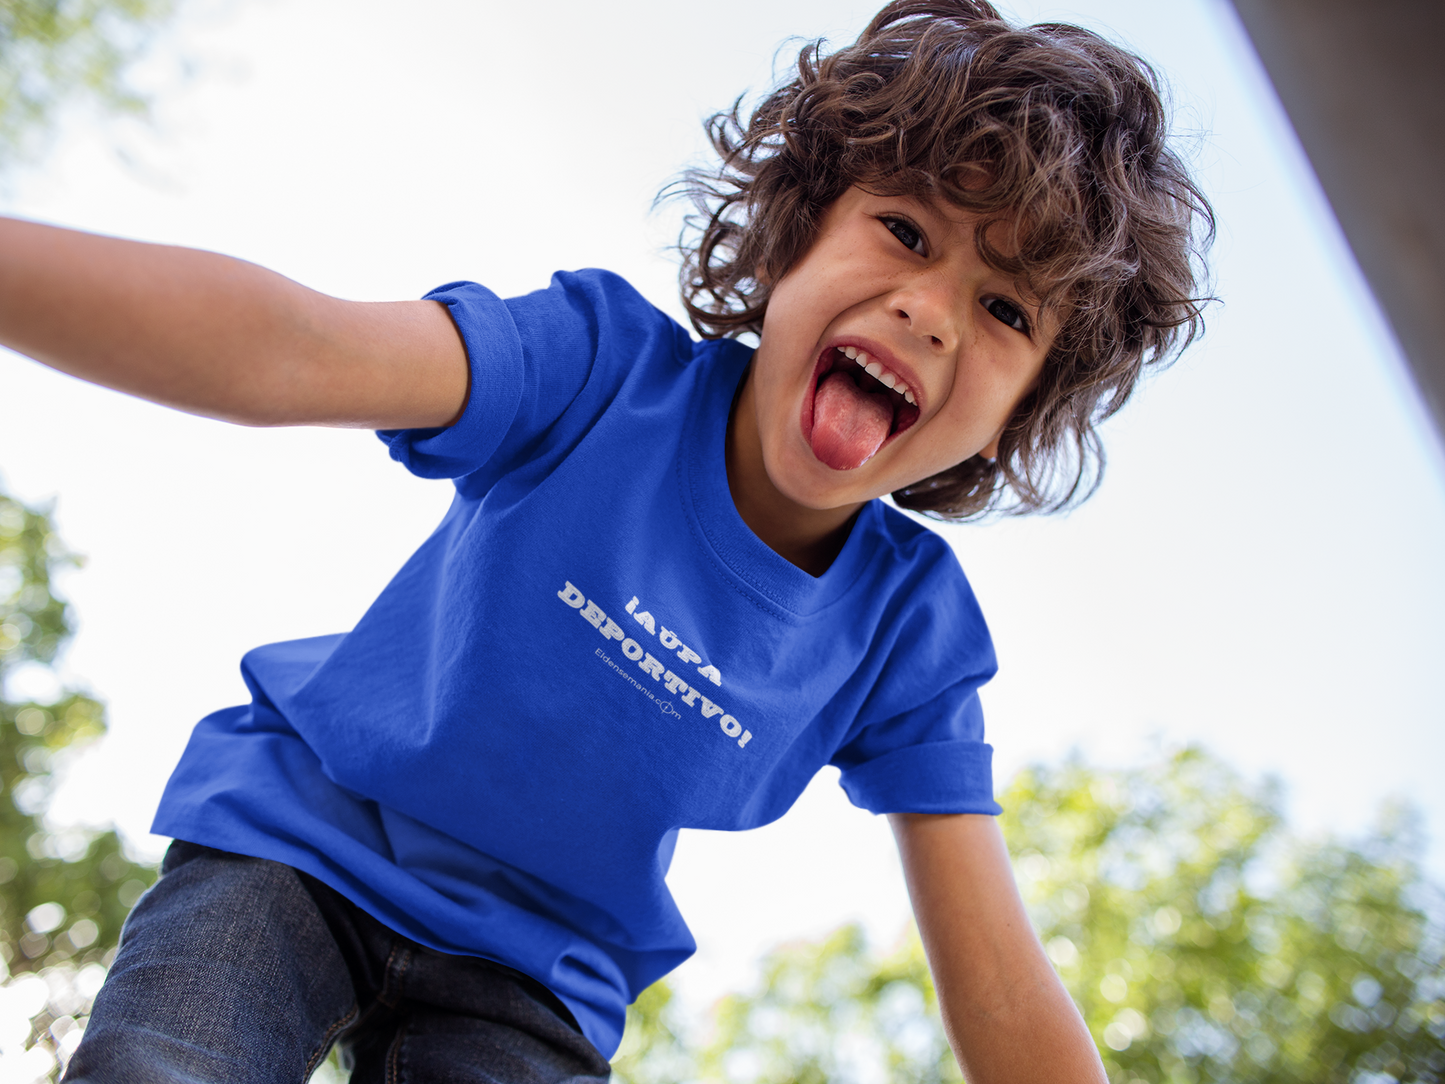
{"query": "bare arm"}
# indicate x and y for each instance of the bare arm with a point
(1008, 1016)
(224, 338)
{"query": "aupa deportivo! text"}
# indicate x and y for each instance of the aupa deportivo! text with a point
(653, 667)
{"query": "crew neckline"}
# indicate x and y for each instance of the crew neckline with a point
(705, 486)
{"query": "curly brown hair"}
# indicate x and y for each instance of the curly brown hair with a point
(1049, 133)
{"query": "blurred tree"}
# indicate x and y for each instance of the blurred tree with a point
(834, 1012)
(53, 51)
(654, 1046)
(1202, 943)
(63, 891)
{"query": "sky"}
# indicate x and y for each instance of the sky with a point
(1260, 572)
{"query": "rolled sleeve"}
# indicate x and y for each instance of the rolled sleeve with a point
(495, 357)
(935, 777)
(929, 758)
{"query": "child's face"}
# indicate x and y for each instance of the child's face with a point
(902, 282)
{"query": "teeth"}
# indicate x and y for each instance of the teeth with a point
(876, 370)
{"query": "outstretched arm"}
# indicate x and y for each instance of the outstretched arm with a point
(1008, 1016)
(224, 338)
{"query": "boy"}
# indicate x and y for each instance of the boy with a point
(665, 593)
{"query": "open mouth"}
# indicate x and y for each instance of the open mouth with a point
(857, 406)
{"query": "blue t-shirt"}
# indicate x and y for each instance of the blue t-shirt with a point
(591, 652)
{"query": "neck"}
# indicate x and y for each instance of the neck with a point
(808, 537)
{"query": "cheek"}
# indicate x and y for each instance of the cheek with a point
(1002, 384)
(979, 405)
(773, 395)
(774, 406)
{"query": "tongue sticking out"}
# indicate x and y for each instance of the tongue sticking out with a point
(849, 424)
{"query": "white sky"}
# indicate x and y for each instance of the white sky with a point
(1261, 572)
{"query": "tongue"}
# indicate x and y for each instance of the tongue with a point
(849, 424)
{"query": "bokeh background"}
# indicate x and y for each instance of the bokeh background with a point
(1260, 572)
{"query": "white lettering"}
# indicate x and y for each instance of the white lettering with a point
(652, 667)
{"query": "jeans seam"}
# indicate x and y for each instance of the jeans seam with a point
(330, 1037)
(393, 1057)
(394, 974)
(402, 967)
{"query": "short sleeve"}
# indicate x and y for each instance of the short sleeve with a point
(916, 743)
(498, 379)
(533, 359)
(932, 759)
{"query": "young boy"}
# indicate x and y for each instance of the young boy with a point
(666, 593)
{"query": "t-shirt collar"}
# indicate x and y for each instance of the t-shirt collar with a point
(705, 488)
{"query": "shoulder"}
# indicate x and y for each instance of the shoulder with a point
(592, 288)
(915, 552)
(589, 286)
(930, 607)
(577, 311)
(603, 300)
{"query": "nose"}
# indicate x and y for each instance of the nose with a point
(928, 305)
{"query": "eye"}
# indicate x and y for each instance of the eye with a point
(1007, 312)
(907, 233)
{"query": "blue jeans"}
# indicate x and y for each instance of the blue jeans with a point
(236, 970)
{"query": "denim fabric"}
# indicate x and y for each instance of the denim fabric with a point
(236, 970)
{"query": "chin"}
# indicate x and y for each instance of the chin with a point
(811, 484)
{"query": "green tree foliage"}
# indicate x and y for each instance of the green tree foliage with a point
(53, 51)
(1201, 941)
(1204, 944)
(63, 891)
(654, 1047)
(830, 1011)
